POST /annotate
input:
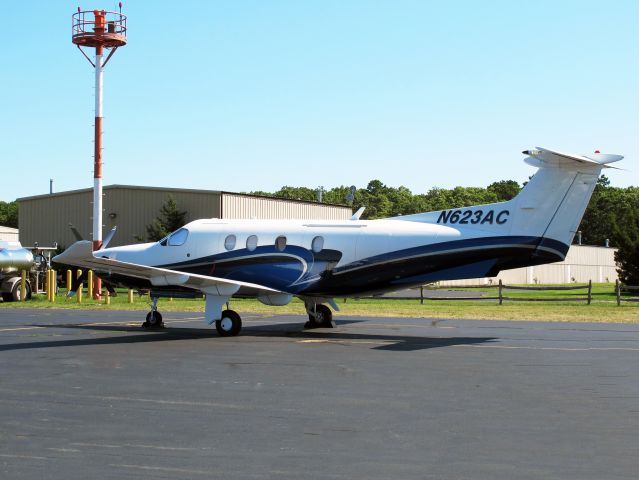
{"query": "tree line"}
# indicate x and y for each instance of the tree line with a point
(9, 214)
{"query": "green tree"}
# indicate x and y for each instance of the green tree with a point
(9, 214)
(169, 220)
(504, 190)
(297, 193)
(626, 238)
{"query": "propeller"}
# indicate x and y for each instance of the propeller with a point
(78, 236)
(83, 278)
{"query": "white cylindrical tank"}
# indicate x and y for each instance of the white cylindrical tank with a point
(14, 257)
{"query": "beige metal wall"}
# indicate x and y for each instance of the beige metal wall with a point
(582, 263)
(245, 206)
(8, 234)
(136, 207)
(45, 218)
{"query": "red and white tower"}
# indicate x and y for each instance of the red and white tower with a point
(101, 30)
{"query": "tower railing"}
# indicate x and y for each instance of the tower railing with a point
(91, 28)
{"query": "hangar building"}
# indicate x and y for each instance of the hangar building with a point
(45, 218)
(582, 263)
(8, 234)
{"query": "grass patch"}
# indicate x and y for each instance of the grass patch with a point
(602, 309)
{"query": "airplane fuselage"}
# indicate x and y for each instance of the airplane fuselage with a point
(335, 258)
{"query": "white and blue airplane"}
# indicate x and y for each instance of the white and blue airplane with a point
(318, 261)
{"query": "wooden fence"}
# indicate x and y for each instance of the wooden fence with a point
(501, 288)
(632, 290)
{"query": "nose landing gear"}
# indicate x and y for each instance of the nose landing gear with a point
(319, 316)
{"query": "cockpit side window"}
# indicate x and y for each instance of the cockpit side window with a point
(178, 237)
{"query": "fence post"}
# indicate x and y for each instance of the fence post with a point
(589, 291)
(618, 291)
(501, 298)
(421, 295)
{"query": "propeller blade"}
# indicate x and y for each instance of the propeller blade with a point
(75, 284)
(76, 234)
(108, 237)
(109, 288)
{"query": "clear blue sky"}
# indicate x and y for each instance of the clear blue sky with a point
(253, 95)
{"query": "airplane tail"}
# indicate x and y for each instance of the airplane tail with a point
(553, 202)
(549, 208)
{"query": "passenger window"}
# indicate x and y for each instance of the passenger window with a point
(280, 243)
(251, 243)
(229, 242)
(179, 237)
(318, 244)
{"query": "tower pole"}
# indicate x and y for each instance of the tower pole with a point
(104, 30)
(97, 158)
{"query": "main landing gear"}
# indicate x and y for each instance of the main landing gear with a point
(319, 316)
(229, 325)
(153, 318)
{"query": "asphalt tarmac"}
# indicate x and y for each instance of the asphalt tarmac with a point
(89, 395)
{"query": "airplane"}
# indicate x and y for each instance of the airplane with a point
(321, 260)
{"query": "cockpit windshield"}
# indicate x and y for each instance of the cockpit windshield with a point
(176, 239)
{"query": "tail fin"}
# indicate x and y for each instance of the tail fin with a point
(552, 204)
(549, 208)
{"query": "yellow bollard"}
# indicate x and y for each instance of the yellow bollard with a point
(90, 284)
(23, 286)
(69, 280)
(48, 285)
(130, 295)
(79, 292)
(107, 298)
(54, 278)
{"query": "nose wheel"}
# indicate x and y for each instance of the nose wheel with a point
(319, 316)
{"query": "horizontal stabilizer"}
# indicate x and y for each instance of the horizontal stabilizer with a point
(542, 157)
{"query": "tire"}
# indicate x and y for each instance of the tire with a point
(229, 325)
(153, 320)
(15, 292)
(323, 317)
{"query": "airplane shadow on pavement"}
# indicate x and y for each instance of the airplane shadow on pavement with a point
(132, 334)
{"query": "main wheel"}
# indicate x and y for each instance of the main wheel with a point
(229, 325)
(323, 317)
(153, 320)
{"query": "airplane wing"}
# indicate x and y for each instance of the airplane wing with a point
(81, 254)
